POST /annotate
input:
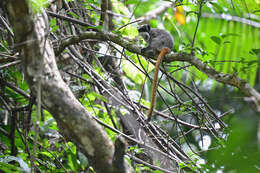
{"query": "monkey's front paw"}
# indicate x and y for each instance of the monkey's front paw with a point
(147, 52)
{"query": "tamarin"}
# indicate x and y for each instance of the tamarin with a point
(160, 42)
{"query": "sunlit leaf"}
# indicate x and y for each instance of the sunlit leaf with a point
(23, 165)
(216, 39)
(128, 2)
(256, 51)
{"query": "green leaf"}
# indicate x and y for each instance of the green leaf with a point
(153, 23)
(216, 39)
(38, 5)
(83, 160)
(72, 147)
(255, 51)
(234, 69)
(252, 62)
(8, 168)
(53, 25)
(72, 158)
(23, 164)
(229, 34)
(48, 154)
(74, 14)
(93, 96)
(256, 11)
(217, 6)
(99, 28)
(72, 161)
(226, 42)
(131, 2)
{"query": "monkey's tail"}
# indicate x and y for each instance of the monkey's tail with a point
(163, 52)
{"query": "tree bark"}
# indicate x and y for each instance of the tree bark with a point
(74, 121)
(229, 79)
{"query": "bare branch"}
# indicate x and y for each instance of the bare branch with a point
(230, 79)
(156, 12)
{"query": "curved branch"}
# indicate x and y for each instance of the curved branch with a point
(229, 79)
(156, 12)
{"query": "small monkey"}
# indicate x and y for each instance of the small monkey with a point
(160, 42)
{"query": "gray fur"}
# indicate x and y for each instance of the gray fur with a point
(158, 39)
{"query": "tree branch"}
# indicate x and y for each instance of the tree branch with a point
(74, 121)
(156, 12)
(229, 79)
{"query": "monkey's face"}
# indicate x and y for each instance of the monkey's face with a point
(145, 35)
(144, 28)
(144, 32)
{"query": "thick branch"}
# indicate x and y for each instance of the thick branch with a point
(230, 79)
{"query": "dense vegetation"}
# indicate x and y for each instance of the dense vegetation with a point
(75, 87)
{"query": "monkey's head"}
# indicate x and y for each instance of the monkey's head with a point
(144, 31)
(156, 39)
(144, 28)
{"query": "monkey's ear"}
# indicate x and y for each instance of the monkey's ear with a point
(144, 28)
(148, 27)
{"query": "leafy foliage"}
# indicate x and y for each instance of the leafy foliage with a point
(227, 39)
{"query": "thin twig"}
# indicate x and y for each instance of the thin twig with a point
(197, 26)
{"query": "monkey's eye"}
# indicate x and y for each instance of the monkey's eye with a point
(145, 36)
